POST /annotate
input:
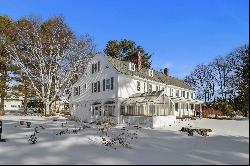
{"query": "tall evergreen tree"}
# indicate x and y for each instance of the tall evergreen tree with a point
(124, 48)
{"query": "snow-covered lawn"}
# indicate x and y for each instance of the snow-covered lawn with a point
(227, 144)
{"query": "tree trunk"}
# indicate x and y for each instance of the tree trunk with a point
(3, 92)
(25, 103)
(2, 106)
(46, 112)
(25, 100)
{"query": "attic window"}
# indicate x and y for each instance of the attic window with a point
(150, 73)
(131, 66)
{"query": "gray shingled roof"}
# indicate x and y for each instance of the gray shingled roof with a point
(122, 67)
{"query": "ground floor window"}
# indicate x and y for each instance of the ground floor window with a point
(109, 110)
(176, 107)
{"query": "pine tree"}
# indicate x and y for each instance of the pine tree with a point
(129, 49)
(7, 68)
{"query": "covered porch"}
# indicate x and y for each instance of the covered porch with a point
(187, 107)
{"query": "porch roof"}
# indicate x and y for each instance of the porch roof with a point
(149, 97)
(180, 99)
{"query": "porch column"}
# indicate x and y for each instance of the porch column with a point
(180, 109)
(125, 109)
(194, 109)
(200, 111)
(147, 109)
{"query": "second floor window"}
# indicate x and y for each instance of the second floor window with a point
(138, 86)
(177, 93)
(108, 84)
(183, 94)
(149, 88)
(96, 86)
(156, 88)
(171, 92)
(187, 95)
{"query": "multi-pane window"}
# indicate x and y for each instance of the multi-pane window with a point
(177, 93)
(191, 106)
(138, 86)
(187, 95)
(96, 67)
(149, 87)
(95, 87)
(183, 94)
(176, 107)
(156, 88)
(171, 92)
(192, 95)
(77, 91)
(132, 66)
(107, 83)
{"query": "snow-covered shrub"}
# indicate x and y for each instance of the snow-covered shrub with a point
(111, 138)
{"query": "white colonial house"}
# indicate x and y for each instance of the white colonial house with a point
(123, 90)
(13, 103)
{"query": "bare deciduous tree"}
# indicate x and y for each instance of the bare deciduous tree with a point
(50, 56)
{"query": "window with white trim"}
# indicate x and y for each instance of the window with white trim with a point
(95, 67)
(177, 93)
(149, 87)
(138, 85)
(131, 66)
(171, 92)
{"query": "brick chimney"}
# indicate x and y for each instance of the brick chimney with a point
(139, 60)
(166, 71)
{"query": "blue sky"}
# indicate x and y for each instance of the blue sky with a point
(179, 33)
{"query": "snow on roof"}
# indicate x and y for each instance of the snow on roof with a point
(122, 67)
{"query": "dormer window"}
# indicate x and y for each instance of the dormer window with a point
(192, 95)
(131, 66)
(150, 73)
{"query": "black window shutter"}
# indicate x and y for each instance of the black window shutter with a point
(98, 65)
(79, 90)
(112, 82)
(98, 84)
(92, 88)
(92, 68)
(95, 67)
(103, 84)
